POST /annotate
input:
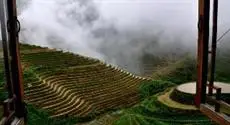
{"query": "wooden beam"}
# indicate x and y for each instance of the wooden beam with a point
(202, 57)
(215, 116)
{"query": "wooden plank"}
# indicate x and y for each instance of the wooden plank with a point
(217, 117)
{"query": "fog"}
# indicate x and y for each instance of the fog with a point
(120, 32)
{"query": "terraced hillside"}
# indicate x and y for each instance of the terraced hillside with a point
(71, 85)
(65, 84)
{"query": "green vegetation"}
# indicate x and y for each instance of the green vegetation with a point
(178, 72)
(64, 84)
(55, 59)
(36, 116)
(54, 80)
(184, 70)
(222, 67)
(151, 112)
(148, 89)
(29, 47)
(165, 98)
(40, 117)
(3, 93)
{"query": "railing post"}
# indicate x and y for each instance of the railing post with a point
(13, 28)
(218, 96)
(6, 108)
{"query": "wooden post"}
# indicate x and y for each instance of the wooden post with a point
(6, 107)
(202, 55)
(218, 95)
(16, 72)
(4, 18)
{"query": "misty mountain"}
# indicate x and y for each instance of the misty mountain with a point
(121, 32)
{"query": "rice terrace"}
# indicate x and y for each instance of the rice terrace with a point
(51, 85)
(83, 89)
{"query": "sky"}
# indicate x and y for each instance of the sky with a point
(116, 31)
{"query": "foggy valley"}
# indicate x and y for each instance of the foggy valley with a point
(121, 32)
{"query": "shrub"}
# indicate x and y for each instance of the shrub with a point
(180, 72)
(40, 117)
(150, 88)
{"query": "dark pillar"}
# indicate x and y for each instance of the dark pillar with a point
(213, 52)
(16, 72)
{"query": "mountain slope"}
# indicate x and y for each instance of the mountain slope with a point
(72, 85)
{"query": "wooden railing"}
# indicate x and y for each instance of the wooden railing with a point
(219, 113)
(9, 114)
(217, 99)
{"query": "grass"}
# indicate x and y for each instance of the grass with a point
(29, 47)
(184, 70)
(36, 116)
(57, 63)
(178, 72)
(39, 117)
(152, 112)
(149, 88)
(165, 99)
(3, 93)
(222, 67)
(54, 60)
(161, 110)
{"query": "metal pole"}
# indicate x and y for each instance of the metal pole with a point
(202, 57)
(3, 17)
(16, 72)
(214, 41)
